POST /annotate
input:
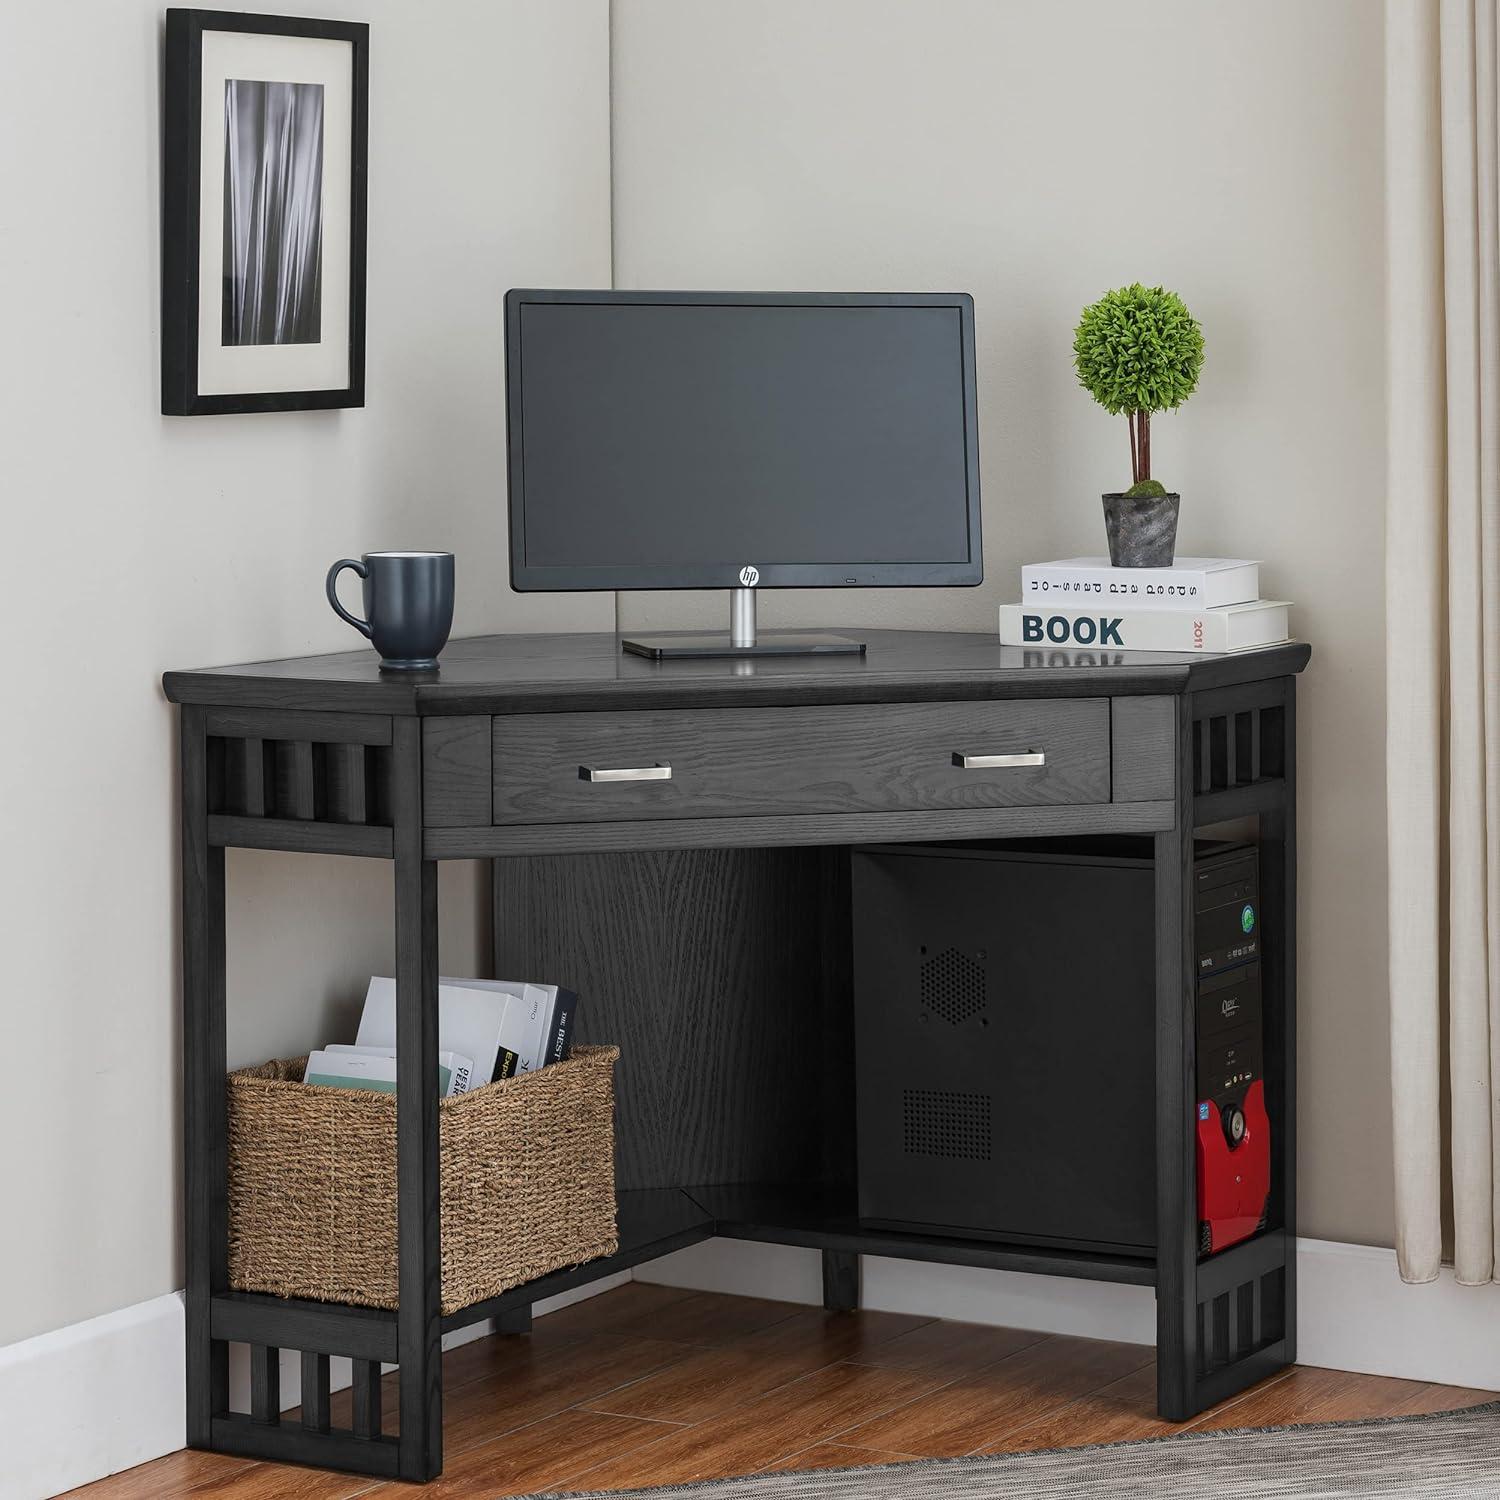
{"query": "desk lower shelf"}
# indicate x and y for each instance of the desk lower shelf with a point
(826, 1221)
(656, 1222)
(653, 1223)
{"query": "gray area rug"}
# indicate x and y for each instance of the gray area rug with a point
(1445, 1456)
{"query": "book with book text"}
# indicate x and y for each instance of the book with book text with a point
(1106, 627)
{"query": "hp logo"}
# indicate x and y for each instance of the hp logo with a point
(749, 576)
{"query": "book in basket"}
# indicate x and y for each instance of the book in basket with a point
(507, 1027)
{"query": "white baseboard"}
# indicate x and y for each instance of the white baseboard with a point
(90, 1399)
(97, 1397)
(1354, 1311)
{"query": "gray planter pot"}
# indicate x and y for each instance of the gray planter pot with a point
(1142, 530)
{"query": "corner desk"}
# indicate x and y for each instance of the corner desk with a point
(702, 913)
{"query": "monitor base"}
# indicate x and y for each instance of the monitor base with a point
(742, 640)
(667, 647)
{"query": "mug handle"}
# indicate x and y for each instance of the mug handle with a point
(333, 593)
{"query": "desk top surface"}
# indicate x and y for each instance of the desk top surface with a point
(548, 673)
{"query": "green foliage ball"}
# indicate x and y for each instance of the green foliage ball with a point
(1147, 489)
(1138, 349)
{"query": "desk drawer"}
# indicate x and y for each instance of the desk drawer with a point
(732, 762)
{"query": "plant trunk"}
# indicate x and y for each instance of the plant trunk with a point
(1140, 445)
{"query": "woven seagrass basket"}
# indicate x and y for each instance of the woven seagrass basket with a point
(528, 1182)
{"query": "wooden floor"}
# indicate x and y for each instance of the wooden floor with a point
(652, 1385)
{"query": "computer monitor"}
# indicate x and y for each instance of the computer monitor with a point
(741, 440)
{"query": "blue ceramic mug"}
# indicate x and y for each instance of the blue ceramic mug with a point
(408, 605)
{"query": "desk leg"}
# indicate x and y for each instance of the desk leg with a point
(419, 1324)
(204, 1108)
(1176, 1049)
(1278, 891)
(841, 1280)
(1230, 1319)
(514, 1319)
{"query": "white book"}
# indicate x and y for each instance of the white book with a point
(527, 1019)
(471, 1021)
(1190, 583)
(1105, 627)
(374, 1068)
(460, 1068)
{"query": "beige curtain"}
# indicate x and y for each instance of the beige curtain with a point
(1443, 625)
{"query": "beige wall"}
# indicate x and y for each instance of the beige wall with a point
(970, 144)
(1036, 155)
(134, 542)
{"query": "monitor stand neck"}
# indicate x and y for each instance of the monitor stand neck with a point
(742, 640)
(742, 619)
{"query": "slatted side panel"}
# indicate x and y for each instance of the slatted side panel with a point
(1238, 745)
(1236, 1322)
(289, 779)
(305, 780)
(323, 1412)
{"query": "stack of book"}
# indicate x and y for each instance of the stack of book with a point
(1198, 604)
(488, 1029)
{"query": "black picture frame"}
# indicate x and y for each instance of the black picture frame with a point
(182, 207)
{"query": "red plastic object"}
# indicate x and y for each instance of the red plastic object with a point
(1234, 1182)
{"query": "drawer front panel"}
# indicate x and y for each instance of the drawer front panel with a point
(891, 757)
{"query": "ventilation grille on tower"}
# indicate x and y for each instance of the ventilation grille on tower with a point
(938, 1122)
(953, 986)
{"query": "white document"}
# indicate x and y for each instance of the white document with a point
(472, 1020)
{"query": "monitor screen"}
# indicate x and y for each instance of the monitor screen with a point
(668, 440)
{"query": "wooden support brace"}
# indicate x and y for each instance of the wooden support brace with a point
(265, 1383)
(366, 1386)
(315, 1398)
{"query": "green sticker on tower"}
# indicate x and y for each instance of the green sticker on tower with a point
(1247, 918)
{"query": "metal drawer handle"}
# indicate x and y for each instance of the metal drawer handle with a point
(999, 762)
(661, 771)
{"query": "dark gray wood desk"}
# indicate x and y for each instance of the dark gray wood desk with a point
(704, 917)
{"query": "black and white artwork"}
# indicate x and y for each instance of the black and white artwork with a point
(273, 212)
(263, 251)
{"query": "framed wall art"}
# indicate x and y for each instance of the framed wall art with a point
(263, 237)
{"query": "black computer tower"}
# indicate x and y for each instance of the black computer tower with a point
(1005, 1038)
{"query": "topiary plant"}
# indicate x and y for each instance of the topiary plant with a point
(1138, 350)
